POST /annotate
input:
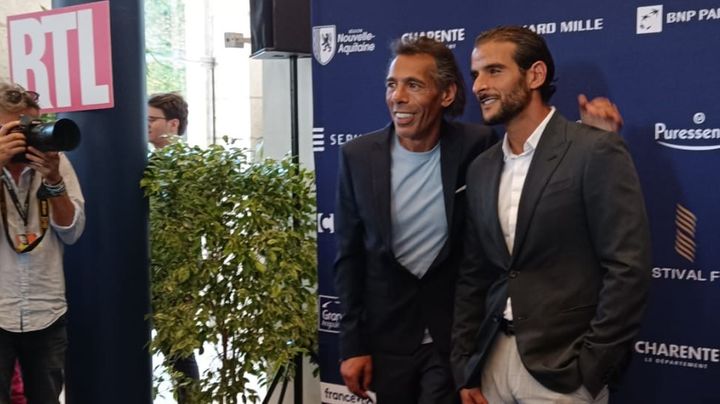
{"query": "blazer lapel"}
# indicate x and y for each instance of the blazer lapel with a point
(450, 158)
(490, 196)
(380, 157)
(550, 150)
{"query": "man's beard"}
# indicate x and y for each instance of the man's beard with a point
(511, 105)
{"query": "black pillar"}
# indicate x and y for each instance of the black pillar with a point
(107, 270)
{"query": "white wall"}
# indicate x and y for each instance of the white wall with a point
(217, 77)
(271, 126)
(14, 7)
(275, 113)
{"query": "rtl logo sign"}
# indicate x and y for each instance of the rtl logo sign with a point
(65, 55)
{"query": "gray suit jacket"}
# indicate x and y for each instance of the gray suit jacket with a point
(579, 270)
(385, 307)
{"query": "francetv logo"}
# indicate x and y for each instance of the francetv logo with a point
(332, 393)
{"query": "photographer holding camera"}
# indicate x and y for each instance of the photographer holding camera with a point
(42, 209)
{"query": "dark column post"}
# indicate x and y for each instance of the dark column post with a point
(107, 270)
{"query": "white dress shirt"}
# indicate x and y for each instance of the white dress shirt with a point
(512, 180)
(32, 285)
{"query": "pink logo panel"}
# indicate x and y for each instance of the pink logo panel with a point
(65, 55)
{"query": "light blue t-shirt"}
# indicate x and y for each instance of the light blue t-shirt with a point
(417, 207)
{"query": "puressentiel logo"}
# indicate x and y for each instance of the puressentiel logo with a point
(649, 19)
(673, 354)
(697, 138)
(327, 42)
(330, 314)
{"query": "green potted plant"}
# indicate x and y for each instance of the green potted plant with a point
(232, 264)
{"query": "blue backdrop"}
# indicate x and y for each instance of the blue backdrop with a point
(658, 61)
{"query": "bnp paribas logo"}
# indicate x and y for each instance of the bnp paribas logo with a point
(685, 224)
(324, 43)
(649, 19)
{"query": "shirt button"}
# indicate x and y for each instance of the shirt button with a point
(513, 274)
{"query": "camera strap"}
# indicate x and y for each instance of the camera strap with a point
(43, 209)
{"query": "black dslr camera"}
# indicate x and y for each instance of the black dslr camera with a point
(60, 135)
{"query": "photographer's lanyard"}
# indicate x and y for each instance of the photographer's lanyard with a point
(25, 245)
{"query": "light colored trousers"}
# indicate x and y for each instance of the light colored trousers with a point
(505, 380)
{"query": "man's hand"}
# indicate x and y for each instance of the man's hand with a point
(10, 143)
(357, 374)
(472, 396)
(47, 164)
(600, 113)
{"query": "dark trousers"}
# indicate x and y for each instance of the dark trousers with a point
(42, 359)
(424, 377)
(187, 367)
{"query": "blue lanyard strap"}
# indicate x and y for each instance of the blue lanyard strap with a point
(43, 208)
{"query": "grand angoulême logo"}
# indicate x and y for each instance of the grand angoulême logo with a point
(324, 43)
(330, 314)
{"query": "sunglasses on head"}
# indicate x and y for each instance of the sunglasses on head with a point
(16, 96)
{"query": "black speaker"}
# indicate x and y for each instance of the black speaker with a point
(280, 28)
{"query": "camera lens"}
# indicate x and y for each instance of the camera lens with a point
(61, 135)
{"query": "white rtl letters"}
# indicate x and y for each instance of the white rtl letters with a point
(26, 60)
(59, 25)
(28, 49)
(91, 93)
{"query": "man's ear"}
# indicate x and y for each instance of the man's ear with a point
(174, 124)
(448, 95)
(536, 74)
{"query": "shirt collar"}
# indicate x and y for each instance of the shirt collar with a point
(531, 142)
(27, 169)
